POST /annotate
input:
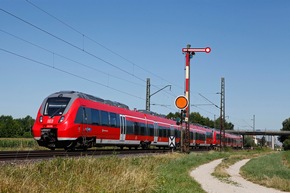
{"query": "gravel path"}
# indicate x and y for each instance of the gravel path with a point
(210, 184)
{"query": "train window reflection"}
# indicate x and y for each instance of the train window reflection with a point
(55, 106)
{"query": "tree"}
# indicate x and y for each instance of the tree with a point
(228, 126)
(249, 142)
(263, 141)
(173, 116)
(25, 128)
(286, 127)
(10, 127)
(7, 126)
(195, 117)
(286, 144)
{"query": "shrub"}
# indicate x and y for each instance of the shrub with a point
(286, 144)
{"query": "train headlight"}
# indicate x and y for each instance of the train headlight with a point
(40, 119)
(61, 119)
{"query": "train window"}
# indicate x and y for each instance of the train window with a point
(79, 116)
(177, 133)
(172, 130)
(117, 120)
(136, 128)
(114, 121)
(161, 129)
(191, 135)
(218, 136)
(142, 129)
(130, 127)
(200, 136)
(167, 132)
(88, 116)
(55, 106)
(156, 129)
(208, 134)
(83, 116)
(194, 136)
(151, 129)
(95, 117)
(104, 118)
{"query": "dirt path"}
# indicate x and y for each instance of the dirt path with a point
(210, 184)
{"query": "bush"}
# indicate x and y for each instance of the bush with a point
(286, 144)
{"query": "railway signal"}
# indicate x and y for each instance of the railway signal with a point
(182, 118)
(206, 50)
(181, 102)
(189, 52)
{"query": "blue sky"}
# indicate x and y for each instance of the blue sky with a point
(108, 48)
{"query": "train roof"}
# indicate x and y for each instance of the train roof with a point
(77, 94)
(152, 113)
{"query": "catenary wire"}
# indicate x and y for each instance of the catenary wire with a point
(91, 39)
(69, 73)
(74, 46)
(69, 59)
(71, 44)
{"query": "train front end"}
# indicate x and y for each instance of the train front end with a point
(52, 127)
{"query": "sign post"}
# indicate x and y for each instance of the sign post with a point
(171, 142)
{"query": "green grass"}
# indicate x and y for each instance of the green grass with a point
(235, 156)
(108, 174)
(18, 144)
(174, 176)
(159, 173)
(270, 170)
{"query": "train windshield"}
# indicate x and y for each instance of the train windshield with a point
(55, 106)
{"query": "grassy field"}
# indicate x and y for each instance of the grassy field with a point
(159, 173)
(18, 144)
(271, 170)
(268, 168)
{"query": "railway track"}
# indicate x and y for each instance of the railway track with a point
(30, 155)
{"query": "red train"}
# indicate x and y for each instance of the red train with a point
(70, 120)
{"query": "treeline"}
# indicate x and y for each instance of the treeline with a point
(10, 127)
(195, 117)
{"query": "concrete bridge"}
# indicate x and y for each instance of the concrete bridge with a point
(269, 133)
(272, 133)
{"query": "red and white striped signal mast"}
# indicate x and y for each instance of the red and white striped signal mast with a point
(189, 52)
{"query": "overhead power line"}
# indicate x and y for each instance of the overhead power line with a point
(67, 58)
(72, 45)
(96, 42)
(69, 73)
(209, 101)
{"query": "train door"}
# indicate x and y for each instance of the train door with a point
(122, 128)
(155, 132)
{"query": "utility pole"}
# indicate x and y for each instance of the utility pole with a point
(189, 53)
(254, 136)
(222, 114)
(254, 122)
(148, 95)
